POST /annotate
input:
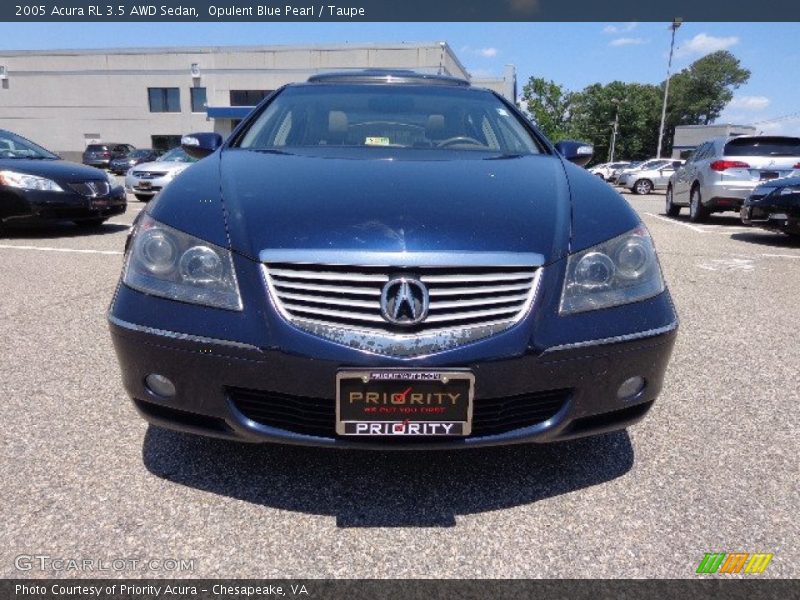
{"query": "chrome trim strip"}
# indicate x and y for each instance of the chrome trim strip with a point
(362, 258)
(616, 339)
(179, 336)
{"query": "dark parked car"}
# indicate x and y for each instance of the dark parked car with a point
(101, 155)
(775, 205)
(121, 165)
(36, 185)
(389, 259)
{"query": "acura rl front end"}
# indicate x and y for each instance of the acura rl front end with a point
(394, 260)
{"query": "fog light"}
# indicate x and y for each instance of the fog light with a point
(630, 387)
(160, 385)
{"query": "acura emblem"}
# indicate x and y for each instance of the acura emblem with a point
(404, 301)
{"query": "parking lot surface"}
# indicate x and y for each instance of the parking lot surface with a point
(713, 468)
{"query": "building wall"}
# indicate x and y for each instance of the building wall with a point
(688, 137)
(65, 99)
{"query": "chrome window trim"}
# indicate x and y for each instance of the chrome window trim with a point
(615, 339)
(363, 258)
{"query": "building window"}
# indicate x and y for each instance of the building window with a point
(198, 95)
(164, 143)
(248, 97)
(164, 99)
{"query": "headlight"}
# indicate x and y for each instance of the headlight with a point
(165, 262)
(23, 181)
(619, 271)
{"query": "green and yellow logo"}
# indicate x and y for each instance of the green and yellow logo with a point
(736, 562)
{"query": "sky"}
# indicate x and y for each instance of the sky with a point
(573, 54)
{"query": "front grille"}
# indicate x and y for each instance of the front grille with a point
(343, 303)
(91, 188)
(316, 416)
(149, 174)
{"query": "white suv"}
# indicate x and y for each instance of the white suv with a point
(720, 174)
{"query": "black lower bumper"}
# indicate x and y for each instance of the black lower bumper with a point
(241, 392)
(23, 207)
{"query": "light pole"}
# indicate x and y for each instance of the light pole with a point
(614, 131)
(676, 22)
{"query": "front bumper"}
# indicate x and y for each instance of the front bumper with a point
(773, 214)
(29, 206)
(146, 187)
(225, 389)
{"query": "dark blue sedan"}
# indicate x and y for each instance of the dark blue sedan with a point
(395, 260)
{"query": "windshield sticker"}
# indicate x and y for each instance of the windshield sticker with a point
(377, 141)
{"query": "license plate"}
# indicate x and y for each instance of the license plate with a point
(404, 403)
(145, 185)
(779, 216)
(766, 175)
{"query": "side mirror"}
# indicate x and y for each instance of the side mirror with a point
(578, 152)
(200, 145)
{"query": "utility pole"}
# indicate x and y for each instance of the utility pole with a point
(676, 22)
(614, 131)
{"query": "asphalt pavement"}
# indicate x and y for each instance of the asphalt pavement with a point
(713, 468)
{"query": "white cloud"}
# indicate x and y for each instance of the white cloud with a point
(627, 41)
(621, 28)
(703, 44)
(489, 52)
(749, 102)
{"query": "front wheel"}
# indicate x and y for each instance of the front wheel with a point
(697, 212)
(671, 209)
(642, 187)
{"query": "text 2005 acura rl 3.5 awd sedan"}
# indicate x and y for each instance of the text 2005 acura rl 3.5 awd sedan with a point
(390, 260)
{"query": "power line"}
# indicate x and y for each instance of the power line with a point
(777, 119)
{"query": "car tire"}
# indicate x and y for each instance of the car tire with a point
(143, 197)
(91, 223)
(697, 212)
(671, 209)
(642, 187)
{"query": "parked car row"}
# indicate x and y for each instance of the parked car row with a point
(757, 176)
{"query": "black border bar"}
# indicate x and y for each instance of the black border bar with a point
(390, 589)
(388, 10)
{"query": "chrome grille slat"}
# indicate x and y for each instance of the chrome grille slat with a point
(477, 277)
(327, 276)
(476, 302)
(464, 316)
(343, 302)
(331, 300)
(479, 290)
(312, 287)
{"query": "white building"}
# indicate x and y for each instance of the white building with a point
(149, 97)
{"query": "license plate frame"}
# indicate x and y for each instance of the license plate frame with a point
(435, 413)
(769, 175)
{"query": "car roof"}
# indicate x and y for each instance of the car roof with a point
(393, 76)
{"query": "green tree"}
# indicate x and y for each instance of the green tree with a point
(699, 93)
(548, 104)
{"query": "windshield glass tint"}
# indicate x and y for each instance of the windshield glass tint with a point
(765, 146)
(13, 146)
(395, 116)
(176, 155)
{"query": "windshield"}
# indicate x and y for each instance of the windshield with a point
(652, 164)
(14, 146)
(176, 155)
(405, 116)
(139, 154)
(763, 146)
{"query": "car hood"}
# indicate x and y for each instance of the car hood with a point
(57, 170)
(167, 166)
(431, 203)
